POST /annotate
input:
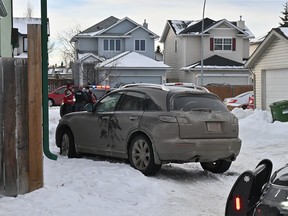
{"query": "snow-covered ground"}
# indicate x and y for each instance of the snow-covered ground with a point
(105, 187)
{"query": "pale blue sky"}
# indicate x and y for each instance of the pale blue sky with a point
(259, 15)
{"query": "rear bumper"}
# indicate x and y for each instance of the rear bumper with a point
(199, 150)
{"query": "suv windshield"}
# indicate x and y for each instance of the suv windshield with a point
(191, 102)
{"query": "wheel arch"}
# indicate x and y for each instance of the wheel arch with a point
(53, 101)
(138, 133)
(59, 133)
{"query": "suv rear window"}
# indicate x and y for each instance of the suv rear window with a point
(190, 102)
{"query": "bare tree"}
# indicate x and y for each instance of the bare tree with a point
(92, 73)
(67, 48)
(29, 11)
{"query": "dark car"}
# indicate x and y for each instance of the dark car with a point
(257, 193)
(151, 125)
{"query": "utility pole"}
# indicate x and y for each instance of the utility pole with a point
(202, 43)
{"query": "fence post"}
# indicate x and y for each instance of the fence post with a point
(35, 107)
(10, 172)
(1, 126)
(22, 145)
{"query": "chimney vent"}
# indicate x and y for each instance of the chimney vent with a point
(241, 23)
(145, 24)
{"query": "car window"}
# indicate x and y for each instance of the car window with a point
(243, 94)
(189, 102)
(150, 105)
(61, 91)
(108, 103)
(132, 101)
(99, 93)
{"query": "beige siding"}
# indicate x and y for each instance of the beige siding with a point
(193, 49)
(275, 57)
(233, 55)
(172, 58)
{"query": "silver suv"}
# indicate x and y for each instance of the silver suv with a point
(153, 124)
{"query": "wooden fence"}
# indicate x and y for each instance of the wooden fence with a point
(225, 91)
(21, 154)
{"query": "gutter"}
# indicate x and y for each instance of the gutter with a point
(44, 37)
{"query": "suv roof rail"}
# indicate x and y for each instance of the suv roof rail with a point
(187, 85)
(147, 85)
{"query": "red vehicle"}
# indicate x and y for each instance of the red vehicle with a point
(55, 98)
(251, 104)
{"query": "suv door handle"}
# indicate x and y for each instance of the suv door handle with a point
(105, 117)
(133, 118)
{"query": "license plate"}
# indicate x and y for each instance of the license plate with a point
(213, 127)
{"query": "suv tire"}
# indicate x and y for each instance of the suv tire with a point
(219, 166)
(141, 156)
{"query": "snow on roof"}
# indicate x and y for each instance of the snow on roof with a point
(83, 56)
(259, 39)
(131, 59)
(21, 23)
(211, 67)
(179, 25)
(21, 55)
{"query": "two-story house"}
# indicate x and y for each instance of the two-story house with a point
(111, 42)
(225, 49)
(5, 28)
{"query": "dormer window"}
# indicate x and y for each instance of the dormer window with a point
(140, 45)
(223, 44)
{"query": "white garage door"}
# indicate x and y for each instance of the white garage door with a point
(276, 86)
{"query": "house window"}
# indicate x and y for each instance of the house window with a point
(176, 46)
(112, 45)
(25, 44)
(140, 45)
(118, 47)
(223, 44)
(112, 42)
(106, 45)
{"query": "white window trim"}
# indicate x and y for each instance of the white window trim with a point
(222, 50)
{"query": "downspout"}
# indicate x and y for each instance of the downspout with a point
(44, 38)
(254, 86)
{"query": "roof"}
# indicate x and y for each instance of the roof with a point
(215, 62)
(3, 11)
(131, 59)
(194, 27)
(21, 24)
(89, 57)
(275, 33)
(101, 29)
(101, 25)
